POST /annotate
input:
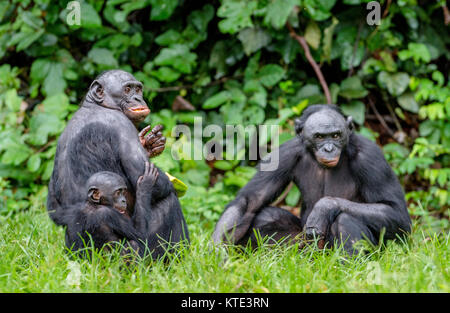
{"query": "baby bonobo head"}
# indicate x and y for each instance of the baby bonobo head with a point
(108, 189)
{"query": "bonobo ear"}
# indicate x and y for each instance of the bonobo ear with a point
(94, 195)
(298, 126)
(350, 124)
(97, 92)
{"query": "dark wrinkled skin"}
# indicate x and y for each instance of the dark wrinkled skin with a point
(102, 136)
(349, 192)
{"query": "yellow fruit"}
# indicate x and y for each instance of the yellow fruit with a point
(179, 186)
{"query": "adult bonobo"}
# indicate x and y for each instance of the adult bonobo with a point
(102, 136)
(349, 192)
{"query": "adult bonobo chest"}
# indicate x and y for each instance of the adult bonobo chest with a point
(318, 181)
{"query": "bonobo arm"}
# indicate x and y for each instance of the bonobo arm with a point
(120, 225)
(259, 192)
(384, 205)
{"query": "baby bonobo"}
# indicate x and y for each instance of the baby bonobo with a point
(104, 216)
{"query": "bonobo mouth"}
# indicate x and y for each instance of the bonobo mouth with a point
(122, 210)
(329, 162)
(140, 109)
(137, 113)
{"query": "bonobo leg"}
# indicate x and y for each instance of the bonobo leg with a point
(275, 223)
(347, 230)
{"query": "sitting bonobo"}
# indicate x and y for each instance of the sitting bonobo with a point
(104, 218)
(103, 136)
(349, 192)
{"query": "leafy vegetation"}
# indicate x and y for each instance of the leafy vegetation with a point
(230, 62)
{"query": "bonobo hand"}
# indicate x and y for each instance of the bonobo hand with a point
(154, 142)
(321, 217)
(147, 180)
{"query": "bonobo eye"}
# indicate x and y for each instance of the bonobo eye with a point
(138, 89)
(337, 135)
(127, 89)
(318, 136)
(119, 192)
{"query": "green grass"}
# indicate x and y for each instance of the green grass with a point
(33, 259)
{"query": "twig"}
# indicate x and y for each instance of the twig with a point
(386, 10)
(386, 118)
(283, 195)
(301, 40)
(396, 122)
(380, 118)
(446, 15)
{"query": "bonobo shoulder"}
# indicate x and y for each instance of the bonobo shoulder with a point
(288, 154)
(365, 150)
(369, 165)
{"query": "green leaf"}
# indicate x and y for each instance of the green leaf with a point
(293, 196)
(270, 74)
(355, 109)
(319, 10)
(408, 102)
(328, 39)
(278, 12)
(28, 39)
(177, 56)
(103, 56)
(217, 100)
(313, 35)
(12, 100)
(89, 17)
(395, 83)
(168, 38)
(253, 39)
(15, 154)
(254, 115)
(43, 125)
(39, 70)
(352, 88)
(223, 165)
(236, 14)
(201, 18)
(417, 51)
(34, 162)
(162, 9)
(54, 83)
(57, 104)
(166, 74)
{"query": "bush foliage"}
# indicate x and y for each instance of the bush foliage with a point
(236, 63)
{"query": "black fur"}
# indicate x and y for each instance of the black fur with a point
(355, 199)
(99, 138)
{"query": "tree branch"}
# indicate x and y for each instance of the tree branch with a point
(301, 40)
(283, 195)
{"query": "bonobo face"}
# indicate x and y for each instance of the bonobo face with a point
(118, 89)
(109, 189)
(326, 133)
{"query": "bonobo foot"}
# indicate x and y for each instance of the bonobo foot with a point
(153, 142)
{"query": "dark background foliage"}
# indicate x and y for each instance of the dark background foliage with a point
(231, 62)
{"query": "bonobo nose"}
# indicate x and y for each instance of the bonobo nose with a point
(328, 147)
